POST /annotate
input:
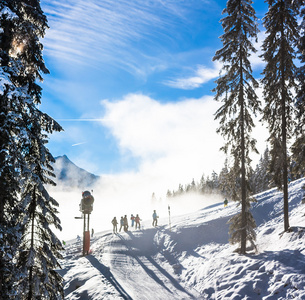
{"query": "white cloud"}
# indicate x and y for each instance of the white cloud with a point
(201, 75)
(174, 142)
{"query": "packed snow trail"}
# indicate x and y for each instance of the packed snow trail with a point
(130, 257)
(125, 265)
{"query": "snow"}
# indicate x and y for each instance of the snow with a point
(8, 13)
(193, 260)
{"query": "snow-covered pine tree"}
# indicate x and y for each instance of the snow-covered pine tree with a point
(298, 148)
(180, 189)
(279, 80)
(236, 89)
(229, 183)
(193, 186)
(22, 24)
(12, 98)
(202, 185)
(261, 180)
(40, 248)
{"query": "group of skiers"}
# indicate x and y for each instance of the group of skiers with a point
(134, 220)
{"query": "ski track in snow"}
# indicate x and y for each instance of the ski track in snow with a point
(194, 259)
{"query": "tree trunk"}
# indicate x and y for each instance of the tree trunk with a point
(284, 129)
(243, 168)
(33, 208)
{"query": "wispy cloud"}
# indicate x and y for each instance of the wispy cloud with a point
(78, 144)
(200, 76)
(116, 32)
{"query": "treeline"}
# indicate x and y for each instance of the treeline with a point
(259, 180)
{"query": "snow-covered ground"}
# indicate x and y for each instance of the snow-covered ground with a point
(193, 260)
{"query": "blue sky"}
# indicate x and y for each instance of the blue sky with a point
(130, 82)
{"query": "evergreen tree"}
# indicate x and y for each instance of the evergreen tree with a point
(235, 88)
(202, 185)
(24, 160)
(208, 185)
(226, 180)
(298, 148)
(215, 181)
(12, 98)
(261, 180)
(169, 194)
(193, 187)
(235, 235)
(279, 80)
(40, 247)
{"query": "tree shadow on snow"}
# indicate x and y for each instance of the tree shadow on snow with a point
(292, 259)
(189, 238)
(137, 254)
(108, 275)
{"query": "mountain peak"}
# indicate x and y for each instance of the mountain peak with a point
(69, 175)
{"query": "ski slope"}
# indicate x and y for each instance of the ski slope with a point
(193, 260)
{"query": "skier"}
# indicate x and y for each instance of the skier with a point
(115, 225)
(125, 222)
(225, 203)
(132, 220)
(121, 223)
(92, 232)
(137, 219)
(155, 219)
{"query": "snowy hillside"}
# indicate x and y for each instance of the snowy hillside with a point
(194, 259)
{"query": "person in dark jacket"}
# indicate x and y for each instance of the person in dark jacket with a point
(121, 223)
(125, 223)
(115, 225)
(155, 219)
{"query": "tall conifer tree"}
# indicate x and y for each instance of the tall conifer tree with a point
(236, 89)
(25, 160)
(12, 97)
(40, 248)
(279, 80)
(260, 179)
(298, 148)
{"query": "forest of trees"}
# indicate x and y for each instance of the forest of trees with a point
(281, 109)
(221, 184)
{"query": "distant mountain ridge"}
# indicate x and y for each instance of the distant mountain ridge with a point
(69, 175)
